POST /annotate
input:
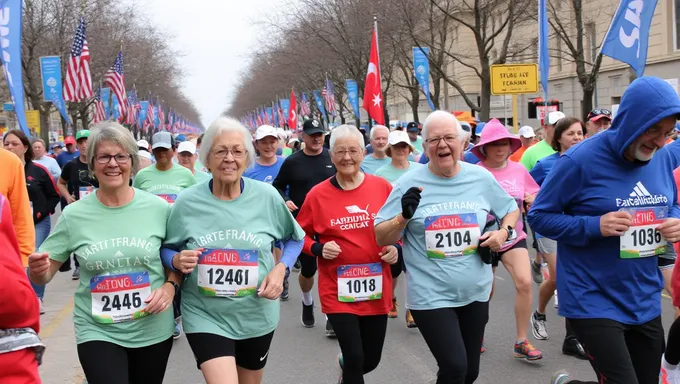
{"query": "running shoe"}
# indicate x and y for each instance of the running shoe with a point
(297, 266)
(538, 326)
(329, 330)
(308, 315)
(42, 309)
(536, 273)
(178, 329)
(555, 299)
(670, 374)
(572, 347)
(525, 350)
(560, 377)
(394, 312)
(409, 320)
(286, 284)
(76, 274)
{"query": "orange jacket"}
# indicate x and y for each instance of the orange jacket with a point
(13, 186)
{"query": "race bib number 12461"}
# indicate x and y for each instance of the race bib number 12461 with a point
(228, 272)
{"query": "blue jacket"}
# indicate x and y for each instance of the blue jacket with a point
(594, 279)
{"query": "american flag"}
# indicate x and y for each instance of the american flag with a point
(161, 115)
(99, 114)
(279, 111)
(116, 81)
(149, 114)
(305, 109)
(329, 95)
(78, 84)
(135, 107)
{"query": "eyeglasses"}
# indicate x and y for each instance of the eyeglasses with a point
(448, 139)
(655, 133)
(353, 152)
(105, 159)
(237, 152)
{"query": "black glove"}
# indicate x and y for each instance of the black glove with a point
(409, 202)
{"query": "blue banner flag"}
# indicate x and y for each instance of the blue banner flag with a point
(319, 102)
(285, 106)
(543, 54)
(627, 39)
(10, 39)
(106, 96)
(115, 106)
(141, 116)
(270, 116)
(353, 96)
(421, 69)
(50, 71)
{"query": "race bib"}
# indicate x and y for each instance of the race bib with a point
(642, 239)
(228, 272)
(169, 197)
(119, 298)
(451, 235)
(359, 282)
(84, 191)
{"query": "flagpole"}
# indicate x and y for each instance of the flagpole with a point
(377, 51)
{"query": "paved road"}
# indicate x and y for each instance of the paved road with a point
(306, 356)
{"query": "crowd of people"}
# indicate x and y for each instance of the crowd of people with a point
(200, 236)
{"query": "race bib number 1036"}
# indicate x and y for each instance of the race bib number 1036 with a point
(642, 239)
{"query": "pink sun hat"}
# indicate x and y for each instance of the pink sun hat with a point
(494, 130)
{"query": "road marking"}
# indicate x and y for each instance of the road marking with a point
(51, 326)
(500, 278)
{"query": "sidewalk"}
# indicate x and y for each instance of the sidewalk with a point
(60, 363)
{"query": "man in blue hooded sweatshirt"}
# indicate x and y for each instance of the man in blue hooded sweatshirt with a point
(611, 208)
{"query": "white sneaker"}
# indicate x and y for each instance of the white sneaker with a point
(555, 302)
(42, 309)
(670, 374)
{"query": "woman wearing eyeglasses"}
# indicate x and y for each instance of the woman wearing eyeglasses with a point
(123, 302)
(222, 233)
(440, 210)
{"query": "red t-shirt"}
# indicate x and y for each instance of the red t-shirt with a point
(346, 217)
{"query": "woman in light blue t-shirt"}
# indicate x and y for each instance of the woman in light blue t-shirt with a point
(441, 211)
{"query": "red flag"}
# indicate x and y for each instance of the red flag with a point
(373, 96)
(292, 115)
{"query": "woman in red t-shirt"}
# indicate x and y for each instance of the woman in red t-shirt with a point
(355, 281)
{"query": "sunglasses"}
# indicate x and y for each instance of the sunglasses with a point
(597, 112)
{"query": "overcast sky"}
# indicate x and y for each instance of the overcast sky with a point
(216, 38)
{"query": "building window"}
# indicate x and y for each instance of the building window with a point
(677, 24)
(558, 46)
(590, 43)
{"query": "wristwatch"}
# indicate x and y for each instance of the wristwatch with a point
(174, 285)
(511, 232)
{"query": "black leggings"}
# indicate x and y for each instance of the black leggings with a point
(673, 345)
(361, 340)
(454, 336)
(620, 353)
(307, 265)
(108, 363)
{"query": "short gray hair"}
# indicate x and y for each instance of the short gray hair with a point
(38, 140)
(375, 129)
(220, 125)
(446, 116)
(346, 130)
(114, 133)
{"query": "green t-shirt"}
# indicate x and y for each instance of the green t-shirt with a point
(123, 242)
(202, 176)
(165, 184)
(535, 153)
(199, 166)
(418, 145)
(251, 222)
(391, 174)
(285, 151)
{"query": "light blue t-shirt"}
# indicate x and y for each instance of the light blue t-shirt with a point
(455, 280)
(392, 174)
(202, 176)
(371, 164)
(266, 173)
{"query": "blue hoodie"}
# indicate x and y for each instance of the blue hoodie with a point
(592, 179)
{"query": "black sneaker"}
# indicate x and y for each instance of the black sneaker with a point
(297, 266)
(329, 330)
(284, 293)
(308, 315)
(536, 273)
(572, 347)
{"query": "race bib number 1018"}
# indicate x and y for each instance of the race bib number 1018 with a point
(119, 298)
(228, 272)
(451, 235)
(642, 239)
(359, 282)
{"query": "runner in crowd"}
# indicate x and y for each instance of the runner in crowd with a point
(186, 157)
(124, 335)
(544, 147)
(416, 140)
(567, 132)
(379, 137)
(75, 183)
(469, 156)
(355, 277)
(526, 136)
(597, 121)
(440, 211)
(166, 180)
(20, 347)
(145, 160)
(56, 150)
(494, 148)
(610, 209)
(221, 233)
(42, 192)
(467, 143)
(297, 176)
(72, 152)
(198, 165)
(40, 157)
(13, 187)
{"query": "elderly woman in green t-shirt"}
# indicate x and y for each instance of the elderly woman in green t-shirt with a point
(221, 234)
(122, 315)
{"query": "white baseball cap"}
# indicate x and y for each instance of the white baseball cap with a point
(554, 117)
(526, 132)
(143, 144)
(264, 131)
(396, 137)
(187, 146)
(144, 154)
